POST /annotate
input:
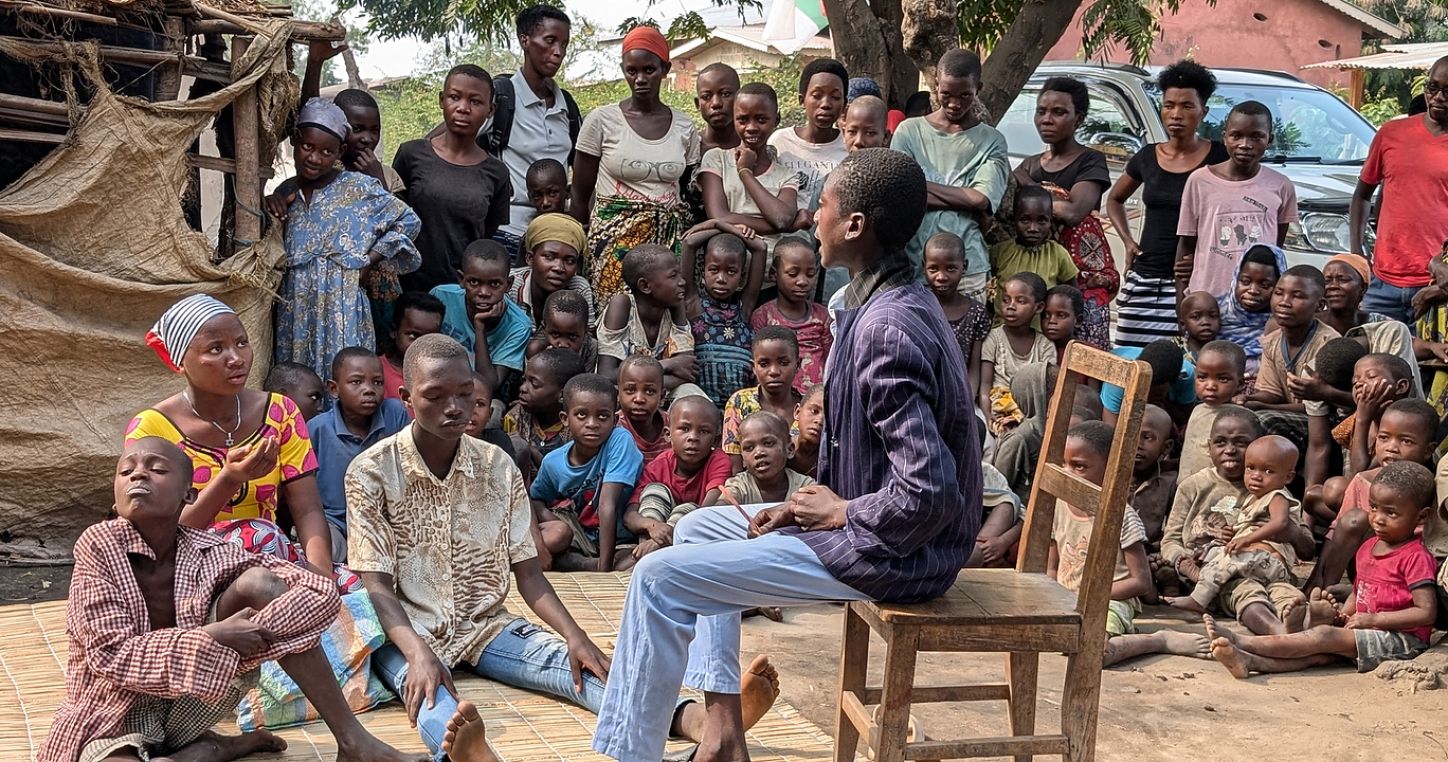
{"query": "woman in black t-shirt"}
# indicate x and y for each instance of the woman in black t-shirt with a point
(1146, 309)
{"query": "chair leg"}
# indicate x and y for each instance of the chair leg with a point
(1021, 675)
(854, 659)
(1081, 700)
(893, 718)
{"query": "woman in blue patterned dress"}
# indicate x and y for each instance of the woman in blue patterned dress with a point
(339, 224)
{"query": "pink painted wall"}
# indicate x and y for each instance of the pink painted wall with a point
(1228, 35)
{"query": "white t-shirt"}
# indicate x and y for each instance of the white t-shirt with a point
(720, 163)
(629, 165)
(814, 160)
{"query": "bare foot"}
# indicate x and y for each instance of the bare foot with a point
(1294, 614)
(1321, 608)
(1186, 644)
(1215, 631)
(367, 748)
(1234, 660)
(757, 690)
(772, 613)
(214, 746)
(466, 738)
(1184, 603)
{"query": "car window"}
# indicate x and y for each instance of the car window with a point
(1308, 125)
(1019, 125)
(1108, 129)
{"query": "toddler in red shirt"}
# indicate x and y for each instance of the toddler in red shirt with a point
(680, 479)
(1390, 613)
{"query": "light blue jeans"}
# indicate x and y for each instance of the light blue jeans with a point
(683, 608)
(524, 655)
(1386, 299)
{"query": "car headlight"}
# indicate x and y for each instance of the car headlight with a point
(1320, 231)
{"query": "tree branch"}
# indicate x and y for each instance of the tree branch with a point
(1021, 49)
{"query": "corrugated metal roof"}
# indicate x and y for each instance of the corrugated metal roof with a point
(1413, 56)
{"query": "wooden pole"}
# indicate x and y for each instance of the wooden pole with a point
(168, 78)
(196, 67)
(247, 186)
(1355, 90)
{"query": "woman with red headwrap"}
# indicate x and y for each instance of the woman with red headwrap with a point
(631, 160)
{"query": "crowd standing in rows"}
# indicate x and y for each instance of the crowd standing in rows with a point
(546, 340)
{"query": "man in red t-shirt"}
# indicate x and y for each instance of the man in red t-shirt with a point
(1409, 158)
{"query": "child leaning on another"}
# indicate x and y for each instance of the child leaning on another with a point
(586, 483)
(719, 302)
(689, 474)
(649, 319)
(767, 477)
(1389, 615)
(969, 320)
(1088, 446)
(360, 417)
(1260, 548)
(795, 270)
(1009, 346)
(535, 422)
(776, 363)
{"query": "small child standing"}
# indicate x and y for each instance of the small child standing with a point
(767, 477)
(414, 314)
(360, 417)
(1244, 307)
(649, 318)
(1260, 548)
(1088, 445)
(300, 384)
(1153, 478)
(795, 269)
(535, 422)
(809, 423)
(1389, 615)
(969, 320)
(547, 183)
(1220, 368)
(1062, 316)
(586, 483)
(687, 475)
(640, 396)
(1200, 320)
(776, 364)
(732, 272)
(565, 326)
(1033, 249)
(1009, 346)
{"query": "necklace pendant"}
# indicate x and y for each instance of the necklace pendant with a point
(228, 440)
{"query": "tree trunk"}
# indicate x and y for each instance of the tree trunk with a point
(929, 31)
(868, 42)
(1021, 49)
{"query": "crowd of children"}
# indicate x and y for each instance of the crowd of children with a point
(1286, 425)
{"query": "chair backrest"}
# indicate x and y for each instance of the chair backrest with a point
(1107, 502)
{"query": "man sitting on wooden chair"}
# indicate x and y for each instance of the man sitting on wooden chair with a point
(898, 505)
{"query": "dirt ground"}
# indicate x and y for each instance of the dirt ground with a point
(1155, 708)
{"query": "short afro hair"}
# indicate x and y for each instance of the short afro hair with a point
(557, 365)
(641, 260)
(287, 375)
(1187, 74)
(1239, 413)
(1411, 480)
(761, 90)
(1032, 281)
(486, 251)
(1310, 274)
(888, 188)
(1236, 355)
(1097, 434)
(430, 349)
(534, 15)
(589, 383)
(1412, 407)
(822, 66)
(1072, 295)
(177, 457)
(566, 301)
(416, 300)
(1394, 365)
(719, 66)
(959, 64)
(700, 401)
(947, 242)
(727, 243)
(1165, 358)
(1261, 254)
(1335, 361)
(1252, 109)
(642, 361)
(772, 420)
(470, 70)
(1031, 193)
(355, 98)
(350, 353)
(1072, 88)
(777, 333)
(546, 169)
(918, 104)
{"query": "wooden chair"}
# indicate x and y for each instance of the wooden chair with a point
(1020, 612)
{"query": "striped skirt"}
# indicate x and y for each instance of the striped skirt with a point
(1146, 311)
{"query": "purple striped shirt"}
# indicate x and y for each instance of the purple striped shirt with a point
(900, 443)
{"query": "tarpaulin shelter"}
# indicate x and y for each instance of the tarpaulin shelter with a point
(94, 243)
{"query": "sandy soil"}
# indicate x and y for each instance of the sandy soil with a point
(1155, 708)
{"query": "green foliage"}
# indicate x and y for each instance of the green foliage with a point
(323, 10)
(494, 20)
(1134, 24)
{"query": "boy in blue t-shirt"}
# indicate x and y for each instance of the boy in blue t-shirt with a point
(478, 313)
(361, 417)
(583, 487)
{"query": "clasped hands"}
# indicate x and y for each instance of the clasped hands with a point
(812, 508)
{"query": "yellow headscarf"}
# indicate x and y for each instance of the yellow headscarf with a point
(554, 227)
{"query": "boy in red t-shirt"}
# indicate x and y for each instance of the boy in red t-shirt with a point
(686, 476)
(1390, 614)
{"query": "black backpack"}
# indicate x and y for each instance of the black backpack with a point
(504, 102)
